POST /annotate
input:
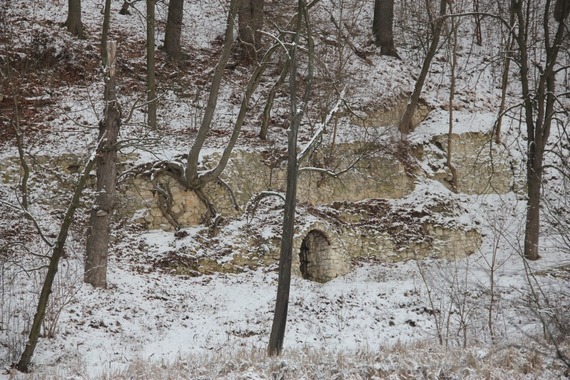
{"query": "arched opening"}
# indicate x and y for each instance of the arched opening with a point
(315, 257)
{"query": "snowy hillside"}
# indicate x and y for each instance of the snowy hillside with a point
(197, 302)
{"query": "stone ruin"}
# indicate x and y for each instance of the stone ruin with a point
(319, 259)
(325, 250)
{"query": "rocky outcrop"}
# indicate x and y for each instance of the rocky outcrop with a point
(348, 229)
(482, 166)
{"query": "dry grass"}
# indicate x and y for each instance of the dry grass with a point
(423, 360)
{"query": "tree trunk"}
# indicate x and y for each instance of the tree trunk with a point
(532, 225)
(406, 125)
(453, 66)
(478, 33)
(57, 253)
(286, 250)
(382, 27)
(539, 112)
(505, 77)
(150, 74)
(98, 234)
(191, 174)
(561, 10)
(266, 116)
(73, 22)
(174, 29)
(250, 24)
(105, 32)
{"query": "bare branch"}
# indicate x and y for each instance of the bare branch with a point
(226, 186)
(253, 203)
(329, 172)
(311, 145)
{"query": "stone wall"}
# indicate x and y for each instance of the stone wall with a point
(248, 173)
(140, 199)
(327, 259)
(483, 167)
(351, 243)
(442, 243)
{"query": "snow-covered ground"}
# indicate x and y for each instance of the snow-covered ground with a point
(394, 320)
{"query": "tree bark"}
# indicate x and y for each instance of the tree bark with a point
(191, 174)
(97, 248)
(174, 29)
(532, 222)
(57, 253)
(505, 77)
(105, 32)
(406, 125)
(150, 67)
(453, 66)
(73, 22)
(250, 24)
(382, 27)
(478, 32)
(538, 105)
(561, 10)
(266, 116)
(286, 250)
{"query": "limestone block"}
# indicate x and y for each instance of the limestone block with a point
(483, 167)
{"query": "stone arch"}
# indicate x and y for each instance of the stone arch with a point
(317, 257)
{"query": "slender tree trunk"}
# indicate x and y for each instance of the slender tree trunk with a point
(266, 116)
(105, 32)
(57, 252)
(382, 27)
(250, 24)
(174, 29)
(478, 34)
(539, 112)
(561, 10)
(532, 224)
(98, 234)
(286, 250)
(23, 163)
(73, 22)
(150, 69)
(505, 77)
(191, 174)
(406, 124)
(453, 60)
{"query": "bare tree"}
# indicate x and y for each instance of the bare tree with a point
(58, 249)
(478, 33)
(250, 24)
(453, 69)
(539, 101)
(150, 69)
(105, 31)
(73, 22)
(382, 27)
(174, 29)
(505, 76)
(189, 173)
(286, 250)
(561, 10)
(97, 247)
(436, 26)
